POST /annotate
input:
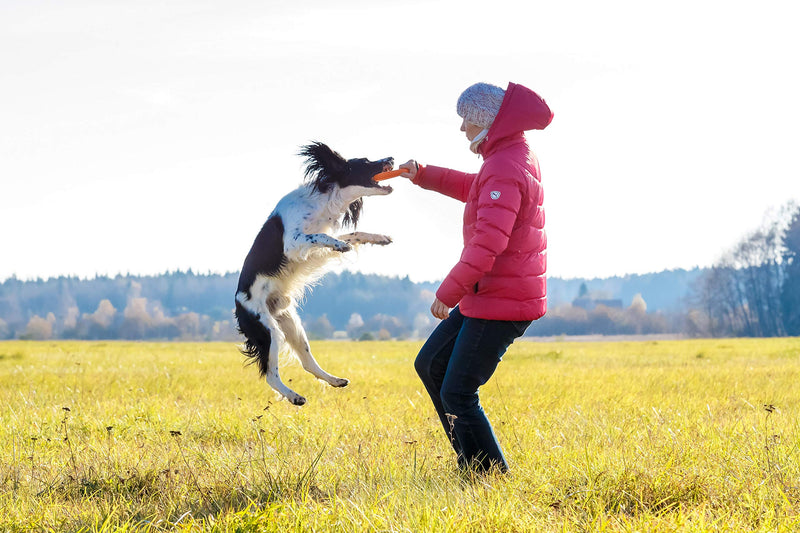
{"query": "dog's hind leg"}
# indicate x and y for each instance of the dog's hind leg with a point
(264, 340)
(290, 323)
(273, 374)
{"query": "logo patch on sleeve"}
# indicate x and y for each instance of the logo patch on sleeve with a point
(494, 195)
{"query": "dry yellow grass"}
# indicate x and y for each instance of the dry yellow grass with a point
(628, 436)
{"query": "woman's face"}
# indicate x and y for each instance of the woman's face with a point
(471, 129)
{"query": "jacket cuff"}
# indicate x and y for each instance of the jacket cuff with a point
(449, 293)
(420, 171)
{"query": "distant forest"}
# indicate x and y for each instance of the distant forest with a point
(752, 291)
(191, 306)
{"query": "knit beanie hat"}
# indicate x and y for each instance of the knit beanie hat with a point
(480, 103)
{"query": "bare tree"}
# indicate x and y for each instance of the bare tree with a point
(790, 292)
(757, 264)
(744, 294)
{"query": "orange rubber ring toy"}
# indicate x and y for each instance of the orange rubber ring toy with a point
(390, 174)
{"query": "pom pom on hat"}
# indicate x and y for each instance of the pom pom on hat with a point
(480, 103)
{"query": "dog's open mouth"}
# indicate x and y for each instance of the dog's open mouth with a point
(387, 165)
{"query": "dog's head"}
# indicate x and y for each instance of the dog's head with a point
(327, 170)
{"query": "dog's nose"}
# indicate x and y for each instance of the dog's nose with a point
(388, 163)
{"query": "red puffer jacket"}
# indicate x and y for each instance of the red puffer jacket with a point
(501, 274)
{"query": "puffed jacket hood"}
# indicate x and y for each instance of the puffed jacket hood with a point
(521, 110)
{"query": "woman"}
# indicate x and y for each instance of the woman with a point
(498, 287)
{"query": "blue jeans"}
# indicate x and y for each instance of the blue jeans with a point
(460, 356)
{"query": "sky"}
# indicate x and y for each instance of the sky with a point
(153, 136)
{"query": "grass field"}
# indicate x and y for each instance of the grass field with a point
(627, 436)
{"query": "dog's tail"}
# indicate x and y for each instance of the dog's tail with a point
(257, 337)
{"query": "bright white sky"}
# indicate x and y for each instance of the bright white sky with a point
(140, 137)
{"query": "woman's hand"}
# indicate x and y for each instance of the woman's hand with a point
(439, 309)
(412, 167)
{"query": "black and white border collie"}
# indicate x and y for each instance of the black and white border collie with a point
(289, 254)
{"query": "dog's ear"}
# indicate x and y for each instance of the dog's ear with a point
(353, 213)
(323, 165)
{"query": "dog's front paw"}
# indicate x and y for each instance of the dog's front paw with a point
(383, 240)
(342, 246)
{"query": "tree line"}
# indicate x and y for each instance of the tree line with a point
(190, 306)
(753, 290)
